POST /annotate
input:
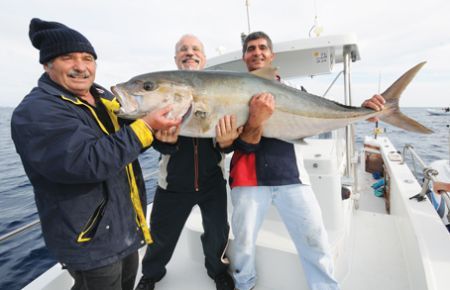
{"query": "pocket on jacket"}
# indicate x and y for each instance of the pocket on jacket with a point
(90, 227)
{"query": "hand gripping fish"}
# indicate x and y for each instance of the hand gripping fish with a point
(201, 98)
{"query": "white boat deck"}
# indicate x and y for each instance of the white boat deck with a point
(183, 272)
(368, 201)
(377, 260)
(373, 259)
(369, 245)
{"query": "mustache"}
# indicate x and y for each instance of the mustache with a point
(78, 74)
(190, 58)
(258, 58)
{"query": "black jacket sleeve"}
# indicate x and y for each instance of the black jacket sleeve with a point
(165, 148)
(245, 147)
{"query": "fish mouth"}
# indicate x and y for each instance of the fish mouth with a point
(130, 106)
(127, 109)
(118, 94)
(187, 114)
(133, 115)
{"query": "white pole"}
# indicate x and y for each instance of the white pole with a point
(248, 15)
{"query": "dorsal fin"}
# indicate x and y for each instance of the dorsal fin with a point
(267, 72)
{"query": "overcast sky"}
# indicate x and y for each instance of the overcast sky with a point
(138, 36)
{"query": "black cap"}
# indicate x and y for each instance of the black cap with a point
(54, 39)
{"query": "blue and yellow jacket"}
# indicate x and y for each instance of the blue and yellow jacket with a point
(88, 184)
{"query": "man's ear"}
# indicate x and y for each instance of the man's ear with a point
(272, 56)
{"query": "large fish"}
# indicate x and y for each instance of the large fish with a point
(201, 98)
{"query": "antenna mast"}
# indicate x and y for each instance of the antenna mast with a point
(247, 4)
(316, 28)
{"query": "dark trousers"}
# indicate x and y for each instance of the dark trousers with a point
(169, 214)
(117, 276)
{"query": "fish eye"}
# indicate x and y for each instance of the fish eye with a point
(149, 86)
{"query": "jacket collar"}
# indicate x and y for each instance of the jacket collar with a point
(48, 85)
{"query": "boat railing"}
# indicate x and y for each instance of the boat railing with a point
(429, 174)
(332, 84)
(350, 170)
(37, 221)
(19, 230)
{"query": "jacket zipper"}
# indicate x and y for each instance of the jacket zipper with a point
(195, 140)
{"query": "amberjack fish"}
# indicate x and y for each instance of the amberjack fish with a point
(201, 98)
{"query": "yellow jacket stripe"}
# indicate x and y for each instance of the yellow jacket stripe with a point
(137, 205)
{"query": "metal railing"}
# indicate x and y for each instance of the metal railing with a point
(35, 222)
(429, 174)
(19, 230)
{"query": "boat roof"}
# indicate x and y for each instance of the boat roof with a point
(301, 57)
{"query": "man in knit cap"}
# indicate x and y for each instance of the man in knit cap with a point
(82, 162)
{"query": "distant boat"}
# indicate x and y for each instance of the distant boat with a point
(437, 112)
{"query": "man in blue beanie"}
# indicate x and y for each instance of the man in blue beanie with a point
(82, 162)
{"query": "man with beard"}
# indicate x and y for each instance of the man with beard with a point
(191, 173)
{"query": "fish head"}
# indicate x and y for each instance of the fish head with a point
(146, 93)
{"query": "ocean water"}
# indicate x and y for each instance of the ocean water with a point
(25, 257)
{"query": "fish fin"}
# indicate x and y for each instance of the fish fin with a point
(400, 120)
(267, 72)
(392, 114)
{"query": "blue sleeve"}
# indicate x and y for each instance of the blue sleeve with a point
(62, 143)
(245, 147)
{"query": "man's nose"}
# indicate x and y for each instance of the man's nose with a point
(79, 65)
(257, 51)
(190, 51)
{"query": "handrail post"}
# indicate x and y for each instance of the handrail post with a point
(349, 170)
(429, 175)
(19, 230)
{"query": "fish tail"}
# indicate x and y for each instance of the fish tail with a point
(392, 114)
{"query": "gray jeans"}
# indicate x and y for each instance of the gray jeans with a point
(117, 276)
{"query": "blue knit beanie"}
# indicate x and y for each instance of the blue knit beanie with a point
(54, 39)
